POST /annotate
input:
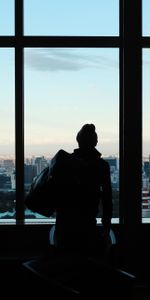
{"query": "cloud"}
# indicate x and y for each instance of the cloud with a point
(65, 60)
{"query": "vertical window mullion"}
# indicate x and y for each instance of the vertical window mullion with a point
(132, 119)
(121, 111)
(19, 112)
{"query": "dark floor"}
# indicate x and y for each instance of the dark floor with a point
(70, 279)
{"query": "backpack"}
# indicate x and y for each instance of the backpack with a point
(43, 193)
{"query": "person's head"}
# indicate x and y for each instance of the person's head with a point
(87, 136)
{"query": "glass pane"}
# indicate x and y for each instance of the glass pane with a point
(146, 138)
(78, 17)
(65, 88)
(7, 140)
(7, 17)
(145, 17)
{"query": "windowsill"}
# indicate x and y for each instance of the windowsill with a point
(52, 221)
(43, 221)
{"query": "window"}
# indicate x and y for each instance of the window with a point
(146, 110)
(7, 17)
(95, 56)
(71, 18)
(146, 138)
(145, 19)
(7, 135)
(68, 88)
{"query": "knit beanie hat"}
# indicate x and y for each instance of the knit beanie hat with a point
(87, 136)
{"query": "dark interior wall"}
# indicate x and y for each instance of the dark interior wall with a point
(35, 235)
(34, 238)
(24, 239)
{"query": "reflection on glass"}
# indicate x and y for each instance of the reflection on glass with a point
(7, 141)
(67, 17)
(7, 17)
(65, 88)
(146, 137)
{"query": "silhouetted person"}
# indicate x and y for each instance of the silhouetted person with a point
(83, 181)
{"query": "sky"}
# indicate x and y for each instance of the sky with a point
(65, 88)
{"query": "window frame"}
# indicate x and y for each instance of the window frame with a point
(130, 43)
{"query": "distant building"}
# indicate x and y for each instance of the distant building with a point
(13, 180)
(40, 163)
(5, 182)
(146, 168)
(115, 180)
(113, 163)
(8, 164)
(30, 172)
(114, 171)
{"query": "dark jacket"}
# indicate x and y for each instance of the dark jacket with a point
(83, 181)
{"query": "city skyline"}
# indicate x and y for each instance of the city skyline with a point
(67, 87)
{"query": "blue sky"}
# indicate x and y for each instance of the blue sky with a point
(65, 88)
(75, 87)
(76, 17)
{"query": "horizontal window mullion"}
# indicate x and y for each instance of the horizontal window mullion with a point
(59, 41)
(145, 42)
(7, 42)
